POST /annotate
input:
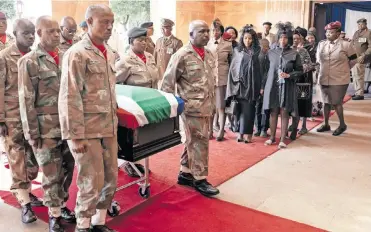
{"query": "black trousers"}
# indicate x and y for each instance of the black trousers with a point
(261, 118)
(246, 116)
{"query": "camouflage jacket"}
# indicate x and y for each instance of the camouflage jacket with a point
(38, 88)
(165, 48)
(9, 102)
(194, 78)
(65, 45)
(87, 98)
(131, 70)
(9, 41)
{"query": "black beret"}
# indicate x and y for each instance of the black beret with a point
(362, 20)
(301, 31)
(146, 25)
(136, 32)
(83, 24)
(267, 23)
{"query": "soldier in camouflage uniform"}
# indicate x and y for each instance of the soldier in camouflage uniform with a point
(68, 33)
(5, 41)
(87, 111)
(192, 68)
(38, 84)
(150, 48)
(22, 161)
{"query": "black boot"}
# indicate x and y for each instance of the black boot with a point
(68, 215)
(35, 202)
(102, 228)
(55, 224)
(186, 179)
(205, 188)
(28, 215)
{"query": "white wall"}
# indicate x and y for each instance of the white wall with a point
(162, 9)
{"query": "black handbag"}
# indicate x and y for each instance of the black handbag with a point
(304, 90)
(233, 107)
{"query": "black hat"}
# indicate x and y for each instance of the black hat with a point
(136, 32)
(285, 29)
(362, 20)
(146, 25)
(267, 23)
(301, 31)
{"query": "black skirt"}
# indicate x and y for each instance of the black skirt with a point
(305, 105)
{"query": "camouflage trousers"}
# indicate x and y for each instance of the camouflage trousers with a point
(195, 156)
(97, 177)
(57, 165)
(22, 162)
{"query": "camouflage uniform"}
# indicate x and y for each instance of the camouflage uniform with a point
(9, 41)
(165, 48)
(131, 70)
(65, 45)
(195, 80)
(87, 110)
(22, 162)
(150, 45)
(38, 86)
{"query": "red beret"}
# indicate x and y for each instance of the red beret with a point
(227, 36)
(2, 15)
(333, 25)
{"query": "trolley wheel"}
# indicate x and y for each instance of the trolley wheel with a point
(146, 192)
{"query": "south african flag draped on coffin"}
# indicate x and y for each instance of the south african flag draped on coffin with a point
(139, 106)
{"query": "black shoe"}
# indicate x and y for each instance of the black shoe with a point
(35, 202)
(293, 136)
(102, 228)
(324, 128)
(68, 215)
(205, 188)
(339, 131)
(28, 215)
(55, 224)
(257, 133)
(186, 179)
(82, 230)
(358, 97)
(219, 139)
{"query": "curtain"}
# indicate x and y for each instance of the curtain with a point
(351, 19)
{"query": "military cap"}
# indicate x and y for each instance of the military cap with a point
(146, 25)
(167, 23)
(2, 15)
(362, 20)
(136, 32)
(267, 23)
(83, 24)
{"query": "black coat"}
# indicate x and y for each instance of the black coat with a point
(278, 95)
(244, 78)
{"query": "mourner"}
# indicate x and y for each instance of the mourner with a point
(166, 46)
(362, 43)
(91, 129)
(244, 82)
(333, 56)
(68, 32)
(39, 81)
(23, 165)
(137, 68)
(267, 33)
(150, 45)
(191, 69)
(222, 53)
(280, 90)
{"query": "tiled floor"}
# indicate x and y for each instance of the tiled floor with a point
(320, 180)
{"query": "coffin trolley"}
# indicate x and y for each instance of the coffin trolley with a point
(148, 124)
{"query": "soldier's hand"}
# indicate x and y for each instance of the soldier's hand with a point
(3, 129)
(79, 146)
(36, 143)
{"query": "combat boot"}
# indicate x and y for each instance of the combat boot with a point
(102, 228)
(35, 202)
(205, 188)
(55, 224)
(68, 215)
(28, 215)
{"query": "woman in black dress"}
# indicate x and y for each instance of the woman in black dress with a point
(280, 89)
(244, 81)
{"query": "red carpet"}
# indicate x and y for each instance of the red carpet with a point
(176, 208)
(179, 209)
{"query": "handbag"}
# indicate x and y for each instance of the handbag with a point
(303, 90)
(233, 107)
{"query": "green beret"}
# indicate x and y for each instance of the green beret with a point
(136, 32)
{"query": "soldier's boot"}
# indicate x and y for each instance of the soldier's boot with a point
(186, 179)
(35, 202)
(101, 228)
(55, 224)
(28, 215)
(68, 215)
(205, 188)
